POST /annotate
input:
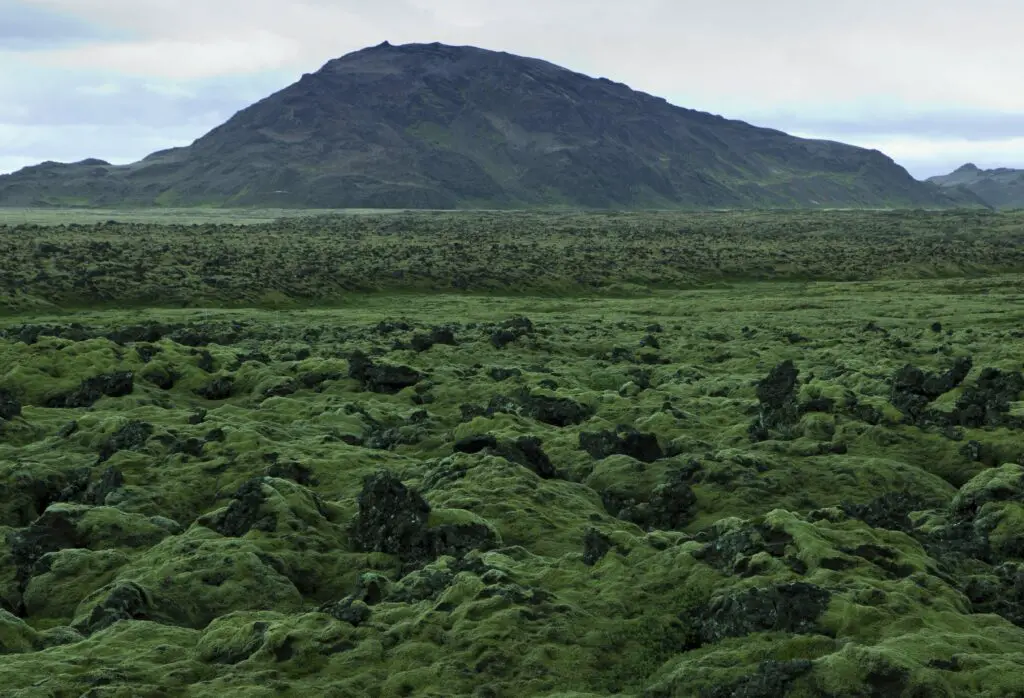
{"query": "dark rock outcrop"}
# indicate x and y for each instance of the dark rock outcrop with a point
(913, 389)
(111, 480)
(556, 411)
(986, 402)
(394, 519)
(438, 335)
(163, 378)
(245, 512)
(890, 511)
(669, 506)
(778, 402)
(131, 436)
(381, 378)
(55, 529)
(595, 546)
(628, 442)
(790, 608)
(218, 389)
(9, 406)
(92, 390)
(528, 451)
(475, 443)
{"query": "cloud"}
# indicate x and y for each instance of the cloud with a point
(731, 53)
(247, 54)
(13, 163)
(69, 116)
(84, 98)
(954, 124)
(24, 145)
(926, 157)
(24, 26)
(104, 89)
(927, 143)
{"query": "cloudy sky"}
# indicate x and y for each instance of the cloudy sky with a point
(932, 83)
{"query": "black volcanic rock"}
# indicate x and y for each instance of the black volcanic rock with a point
(435, 126)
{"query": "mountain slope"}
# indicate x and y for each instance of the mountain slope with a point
(999, 188)
(434, 126)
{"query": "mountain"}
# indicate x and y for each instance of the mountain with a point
(999, 188)
(435, 126)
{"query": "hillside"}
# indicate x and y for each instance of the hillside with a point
(1002, 187)
(434, 126)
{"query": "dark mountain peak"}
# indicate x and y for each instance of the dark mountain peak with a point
(421, 59)
(429, 125)
(969, 167)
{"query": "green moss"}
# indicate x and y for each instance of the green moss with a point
(232, 609)
(16, 636)
(73, 574)
(200, 575)
(988, 485)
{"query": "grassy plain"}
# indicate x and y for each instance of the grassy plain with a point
(606, 477)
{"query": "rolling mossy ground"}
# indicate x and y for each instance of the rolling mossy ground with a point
(753, 489)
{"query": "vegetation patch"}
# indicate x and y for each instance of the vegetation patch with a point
(761, 489)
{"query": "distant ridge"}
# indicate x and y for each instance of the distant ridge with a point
(1001, 188)
(436, 126)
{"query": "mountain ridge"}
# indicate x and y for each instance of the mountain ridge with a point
(999, 187)
(442, 127)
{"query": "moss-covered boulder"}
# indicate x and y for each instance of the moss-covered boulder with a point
(191, 579)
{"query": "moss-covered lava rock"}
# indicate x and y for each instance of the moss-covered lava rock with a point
(758, 490)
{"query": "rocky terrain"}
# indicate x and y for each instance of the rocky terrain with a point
(759, 489)
(429, 126)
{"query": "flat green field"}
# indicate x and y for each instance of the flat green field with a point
(480, 454)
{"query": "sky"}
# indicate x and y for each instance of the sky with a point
(932, 83)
